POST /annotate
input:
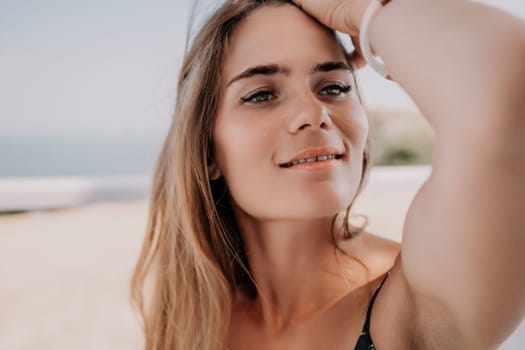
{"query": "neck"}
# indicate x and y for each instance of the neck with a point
(297, 268)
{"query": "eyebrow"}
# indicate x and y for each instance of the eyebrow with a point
(272, 69)
(269, 69)
(331, 66)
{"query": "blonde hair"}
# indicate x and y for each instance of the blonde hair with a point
(192, 259)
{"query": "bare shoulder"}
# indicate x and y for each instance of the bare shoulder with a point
(402, 319)
(376, 252)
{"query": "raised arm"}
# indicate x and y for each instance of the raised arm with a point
(463, 64)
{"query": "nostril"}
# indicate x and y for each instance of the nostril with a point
(302, 127)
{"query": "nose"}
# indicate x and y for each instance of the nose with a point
(309, 113)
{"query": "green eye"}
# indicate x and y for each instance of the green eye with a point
(335, 90)
(259, 97)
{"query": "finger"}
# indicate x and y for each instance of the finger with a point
(335, 14)
(356, 58)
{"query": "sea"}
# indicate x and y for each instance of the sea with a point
(28, 155)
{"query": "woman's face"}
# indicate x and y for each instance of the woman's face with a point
(288, 95)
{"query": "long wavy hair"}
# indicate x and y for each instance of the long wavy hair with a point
(192, 259)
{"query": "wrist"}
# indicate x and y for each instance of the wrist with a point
(364, 37)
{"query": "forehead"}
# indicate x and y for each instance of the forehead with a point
(280, 34)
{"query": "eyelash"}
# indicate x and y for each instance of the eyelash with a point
(343, 89)
(268, 95)
(254, 98)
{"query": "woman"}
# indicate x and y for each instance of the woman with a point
(249, 244)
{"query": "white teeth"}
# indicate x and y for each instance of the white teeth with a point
(311, 160)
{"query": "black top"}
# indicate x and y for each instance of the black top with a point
(365, 339)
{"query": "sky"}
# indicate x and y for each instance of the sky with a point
(105, 67)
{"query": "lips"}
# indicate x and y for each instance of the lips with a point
(313, 155)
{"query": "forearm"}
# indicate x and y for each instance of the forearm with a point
(464, 66)
(462, 63)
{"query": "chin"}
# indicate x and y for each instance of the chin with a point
(310, 205)
(323, 206)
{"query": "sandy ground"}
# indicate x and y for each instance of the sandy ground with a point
(64, 274)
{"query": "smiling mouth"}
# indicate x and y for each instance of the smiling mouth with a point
(317, 159)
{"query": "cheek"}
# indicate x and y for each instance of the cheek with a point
(246, 159)
(244, 156)
(251, 184)
(353, 124)
(240, 145)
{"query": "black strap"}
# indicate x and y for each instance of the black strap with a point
(366, 327)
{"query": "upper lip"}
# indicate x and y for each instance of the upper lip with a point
(314, 152)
